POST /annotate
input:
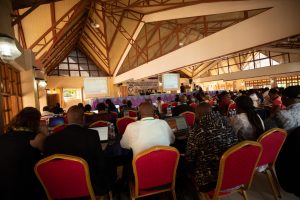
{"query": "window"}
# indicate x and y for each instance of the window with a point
(76, 64)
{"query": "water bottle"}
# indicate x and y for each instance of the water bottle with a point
(111, 131)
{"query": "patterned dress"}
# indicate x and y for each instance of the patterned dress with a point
(207, 142)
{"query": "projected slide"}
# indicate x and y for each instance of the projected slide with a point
(95, 87)
(170, 81)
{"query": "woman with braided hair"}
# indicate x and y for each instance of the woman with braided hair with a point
(247, 124)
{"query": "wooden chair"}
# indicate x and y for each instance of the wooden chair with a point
(237, 167)
(64, 176)
(122, 124)
(154, 171)
(99, 124)
(189, 117)
(271, 142)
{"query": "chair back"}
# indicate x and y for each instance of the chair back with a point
(164, 107)
(115, 114)
(272, 142)
(132, 113)
(174, 104)
(64, 176)
(99, 124)
(59, 128)
(155, 170)
(237, 166)
(193, 105)
(189, 118)
(122, 124)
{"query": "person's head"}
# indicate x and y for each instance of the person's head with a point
(273, 93)
(129, 104)
(158, 98)
(75, 115)
(243, 103)
(182, 99)
(124, 101)
(291, 95)
(177, 98)
(46, 108)
(57, 105)
(29, 118)
(146, 110)
(101, 107)
(87, 108)
(110, 105)
(202, 109)
(80, 105)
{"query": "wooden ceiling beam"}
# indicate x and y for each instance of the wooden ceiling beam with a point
(68, 16)
(53, 20)
(117, 29)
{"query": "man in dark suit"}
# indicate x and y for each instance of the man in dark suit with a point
(183, 107)
(85, 143)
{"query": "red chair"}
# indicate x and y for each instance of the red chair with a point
(189, 118)
(99, 124)
(64, 176)
(132, 113)
(231, 107)
(164, 107)
(115, 114)
(122, 124)
(237, 167)
(271, 142)
(154, 171)
(193, 105)
(58, 128)
(174, 104)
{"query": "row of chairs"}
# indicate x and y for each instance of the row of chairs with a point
(64, 176)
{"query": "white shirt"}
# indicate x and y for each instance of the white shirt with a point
(146, 133)
(242, 126)
(255, 100)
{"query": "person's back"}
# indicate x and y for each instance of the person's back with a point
(183, 107)
(287, 164)
(147, 132)
(85, 143)
(18, 155)
(210, 138)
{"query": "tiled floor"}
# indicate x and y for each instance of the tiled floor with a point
(260, 190)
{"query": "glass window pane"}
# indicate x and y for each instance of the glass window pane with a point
(83, 67)
(94, 73)
(73, 66)
(63, 72)
(74, 73)
(93, 67)
(82, 60)
(73, 60)
(84, 73)
(63, 66)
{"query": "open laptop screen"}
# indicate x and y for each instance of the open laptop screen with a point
(103, 132)
(54, 121)
(177, 123)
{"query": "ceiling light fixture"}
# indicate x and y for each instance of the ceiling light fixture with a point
(8, 48)
(95, 25)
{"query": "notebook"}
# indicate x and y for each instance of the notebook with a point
(103, 132)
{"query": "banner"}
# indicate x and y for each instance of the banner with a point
(134, 87)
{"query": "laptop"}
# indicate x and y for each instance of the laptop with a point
(103, 133)
(177, 124)
(54, 121)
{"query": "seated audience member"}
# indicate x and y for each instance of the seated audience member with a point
(254, 97)
(87, 108)
(287, 164)
(128, 107)
(19, 151)
(247, 124)
(289, 119)
(159, 102)
(202, 109)
(46, 112)
(183, 107)
(124, 105)
(110, 106)
(277, 104)
(85, 143)
(103, 115)
(147, 132)
(57, 109)
(80, 105)
(224, 101)
(209, 139)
